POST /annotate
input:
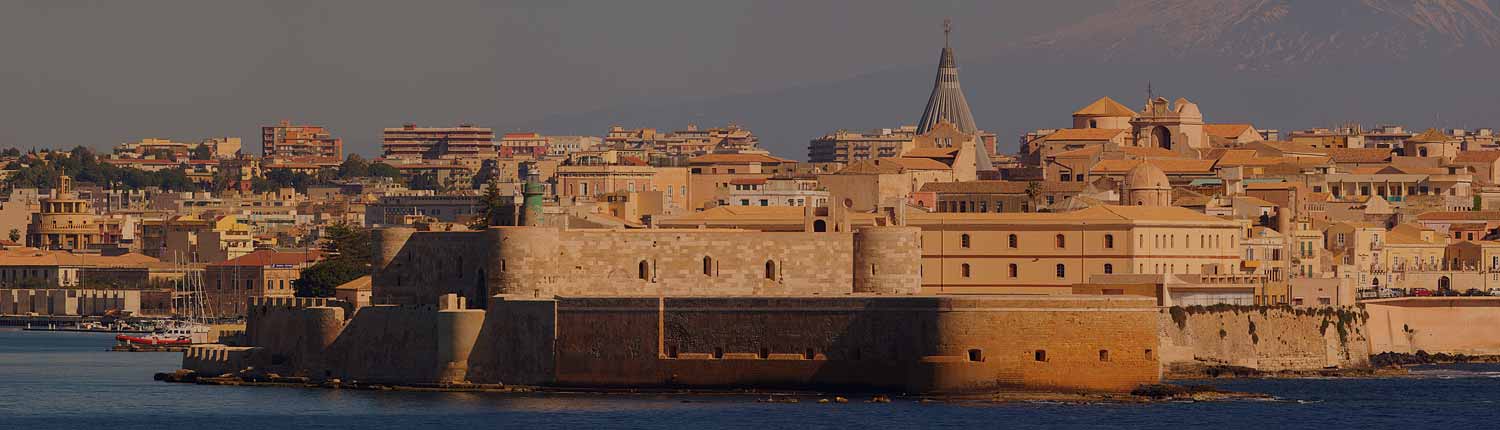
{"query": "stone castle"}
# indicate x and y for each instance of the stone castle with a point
(705, 308)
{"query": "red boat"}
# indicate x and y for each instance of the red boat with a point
(186, 333)
(155, 339)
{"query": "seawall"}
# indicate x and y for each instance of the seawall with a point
(1453, 325)
(912, 344)
(1264, 338)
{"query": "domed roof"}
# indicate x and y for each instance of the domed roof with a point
(1146, 176)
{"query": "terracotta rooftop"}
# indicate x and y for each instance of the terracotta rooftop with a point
(1105, 106)
(887, 166)
(1168, 166)
(1460, 216)
(1000, 187)
(1432, 135)
(931, 153)
(267, 257)
(1477, 157)
(1086, 134)
(1226, 130)
(1359, 155)
(735, 158)
(1101, 213)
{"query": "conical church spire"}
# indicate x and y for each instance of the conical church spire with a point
(947, 101)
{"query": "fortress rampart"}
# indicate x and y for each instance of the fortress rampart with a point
(686, 308)
(416, 267)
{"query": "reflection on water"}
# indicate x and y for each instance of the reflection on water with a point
(68, 380)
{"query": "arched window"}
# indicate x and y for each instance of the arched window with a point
(1012, 270)
(1109, 241)
(770, 270)
(708, 266)
(1062, 271)
(644, 270)
(964, 240)
(964, 270)
(1011, 240)
(1062, 241)
(1109, 268)
(820, 226)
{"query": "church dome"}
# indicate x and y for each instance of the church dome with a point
(1146, 176)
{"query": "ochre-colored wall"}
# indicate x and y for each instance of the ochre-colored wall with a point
(912, 344)
(1281, 339)
(416, 267)
(1454, 325)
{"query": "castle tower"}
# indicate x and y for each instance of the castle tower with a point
(1146, 185)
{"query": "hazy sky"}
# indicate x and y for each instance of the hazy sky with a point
(98, 73)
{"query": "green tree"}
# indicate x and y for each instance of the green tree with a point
(382, 170)
(348, 250)
(321, 279)
(495, 206)
(15, 235)
(1033, 189)
(203, 152)
(354, 167)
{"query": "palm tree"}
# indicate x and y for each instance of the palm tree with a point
(1033, 189)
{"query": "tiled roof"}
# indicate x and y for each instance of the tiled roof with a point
(931, 152)
(1359, 155)
(735, 158)
(1086, 134)
(1168, 166)
(1432, 135)
(267, 257)
(1000, 187)
(1477, 157)
(1105, 106)
(1226, 130)
(886, 166)
(1460, 216)
(1094, 213)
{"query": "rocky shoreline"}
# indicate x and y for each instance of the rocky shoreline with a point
(1143, 394)
(1224, 371)
(1401, 360)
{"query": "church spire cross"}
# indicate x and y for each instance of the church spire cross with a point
(947, 29)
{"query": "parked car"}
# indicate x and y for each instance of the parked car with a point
(1474, 292)
(1495, 292)
(1421, 292)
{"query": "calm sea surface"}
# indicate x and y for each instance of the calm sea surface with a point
(68, 380)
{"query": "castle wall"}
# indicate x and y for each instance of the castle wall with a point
(413, 267)
(1454, 325)
(888, 260)
(1268, 339)
(417, 267)
(913, 344)
(402, 344)
(608, 262)
(295, 332)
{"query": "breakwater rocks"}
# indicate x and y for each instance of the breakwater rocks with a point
(1397, 360)
(1143, 394)
(1180, 371)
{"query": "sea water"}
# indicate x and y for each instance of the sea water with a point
(68, 380)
